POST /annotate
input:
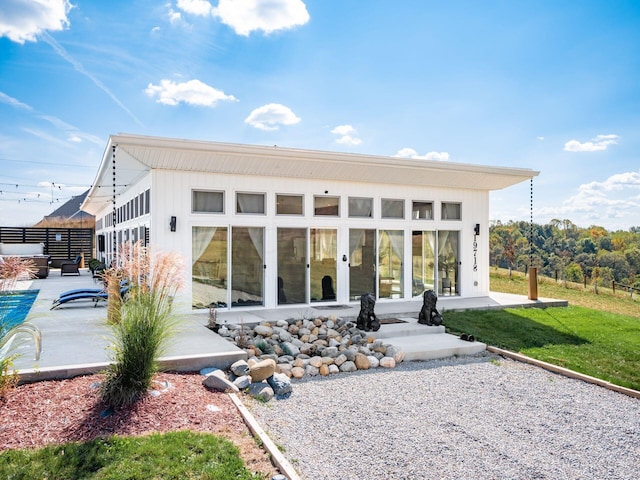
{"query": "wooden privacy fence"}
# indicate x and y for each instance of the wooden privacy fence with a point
(59, 243)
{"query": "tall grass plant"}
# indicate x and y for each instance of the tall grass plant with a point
(142, 324)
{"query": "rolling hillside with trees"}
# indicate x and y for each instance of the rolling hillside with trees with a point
(562, 250)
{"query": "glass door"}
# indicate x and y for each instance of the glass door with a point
(448, 260)
(423, 247)
(209, 266)
(247, 266)
(362, 262)
(323, 253)
(292, 265)
(390, 264)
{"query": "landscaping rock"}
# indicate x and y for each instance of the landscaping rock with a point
(240, 368)
(280, 383)
(218, 383)
(260, 391)
(262, 370)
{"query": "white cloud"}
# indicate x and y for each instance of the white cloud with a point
(245, 16)
(24, 20)
(540, 138)
(600, 142)
(411, 153)
(4, 98)
(599, 202)
(270, 117)
(347, 135)
(174, 17)
(201, 8)
(193, 92)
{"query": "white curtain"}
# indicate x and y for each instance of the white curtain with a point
(355, 241)
(250, 202)
(325, 244)
(396, 238)
(201, 237)
(360, 207)
(257, 238)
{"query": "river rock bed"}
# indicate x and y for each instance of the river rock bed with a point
(299, 348)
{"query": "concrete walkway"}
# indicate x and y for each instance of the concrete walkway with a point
(75, 336)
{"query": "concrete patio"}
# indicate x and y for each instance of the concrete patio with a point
(75, 336)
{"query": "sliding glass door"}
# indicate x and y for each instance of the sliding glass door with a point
(323, 268)
(247, 266)
(292, 265)
(423, 247)
(390, 264)
(362, 262)
(209, 266)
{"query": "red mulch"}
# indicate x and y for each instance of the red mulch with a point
(37, 414)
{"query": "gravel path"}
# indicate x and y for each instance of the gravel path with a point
(462, 418)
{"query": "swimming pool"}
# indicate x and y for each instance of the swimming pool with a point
(14, 308)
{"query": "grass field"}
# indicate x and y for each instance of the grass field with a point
(598, 335)
(174, 455)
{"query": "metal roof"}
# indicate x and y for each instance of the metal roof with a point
(135, 155)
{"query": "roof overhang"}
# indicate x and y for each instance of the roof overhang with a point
(135, 155)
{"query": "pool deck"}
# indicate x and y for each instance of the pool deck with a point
(75, 336)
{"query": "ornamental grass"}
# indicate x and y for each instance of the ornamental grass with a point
(141, 323)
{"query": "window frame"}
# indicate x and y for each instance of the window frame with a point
(291, 195)
(207, 212)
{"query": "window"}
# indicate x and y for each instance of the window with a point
(451, 211)
(360, 207)
(207, 202)
(147, 201)
(392, 208)
(326, 206)
(422, 211)
(289, 205)
(250, 203)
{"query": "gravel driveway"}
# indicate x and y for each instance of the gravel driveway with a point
(462, 418)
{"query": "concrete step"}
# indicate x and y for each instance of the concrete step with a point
(410, 327)
(429, 347)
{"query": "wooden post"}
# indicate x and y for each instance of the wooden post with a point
(533, 283)
(613, 286)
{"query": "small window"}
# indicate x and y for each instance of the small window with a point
(326, 206)
(289, 205)
(252, 203)
(360, 207)
(451, 211)
(422, 211)
(147, 201)
(392, 208)
(207, 202)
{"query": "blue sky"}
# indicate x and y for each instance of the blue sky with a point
(547, 85)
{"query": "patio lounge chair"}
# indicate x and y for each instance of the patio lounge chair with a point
(95, 296)
(69, 267)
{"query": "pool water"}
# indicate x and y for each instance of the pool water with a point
(14, 308)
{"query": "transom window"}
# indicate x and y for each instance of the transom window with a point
(360, 207)
(392, 208)
(252, 203)
(289, 205)
(207, 202)
(422, 210)
(451, 211)
(326, 206)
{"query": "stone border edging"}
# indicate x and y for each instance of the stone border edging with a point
(564, 371)
(276, 456)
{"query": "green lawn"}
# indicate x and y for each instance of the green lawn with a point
(174, 455)
(600, 344)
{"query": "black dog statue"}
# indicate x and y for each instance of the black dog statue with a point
(367, 319)
(428, 314)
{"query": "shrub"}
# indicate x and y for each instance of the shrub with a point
(141, 325)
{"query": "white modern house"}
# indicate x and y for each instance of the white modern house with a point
(265, 227)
